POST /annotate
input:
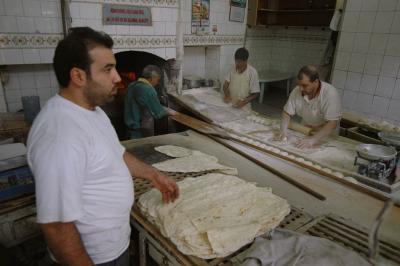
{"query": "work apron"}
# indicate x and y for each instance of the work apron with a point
(312, 115)
(239, 88)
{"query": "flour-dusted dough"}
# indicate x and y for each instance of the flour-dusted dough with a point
(215, 214)
(198, 162)
(174, 151)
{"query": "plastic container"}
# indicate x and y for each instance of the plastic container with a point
(31, 106)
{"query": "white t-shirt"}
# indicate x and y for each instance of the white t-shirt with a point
(250, 74)
(81, 177)
(317, 111)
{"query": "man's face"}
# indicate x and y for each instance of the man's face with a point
(307, 87)
(154, 80)
(241, 65)
(101, 86)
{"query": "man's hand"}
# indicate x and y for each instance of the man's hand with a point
(167, 186)
(306, 143)
(282, 136)
(227, 98)
(240, 103)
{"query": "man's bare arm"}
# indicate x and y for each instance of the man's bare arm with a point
(323, 133)
(167, 186)
(65, 244)
(227, 95)
(248, 99)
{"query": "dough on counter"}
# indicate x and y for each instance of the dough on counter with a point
(174, 151)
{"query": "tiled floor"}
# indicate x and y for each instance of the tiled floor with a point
(273, 102)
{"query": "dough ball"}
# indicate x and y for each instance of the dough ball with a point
(327, 170)
(308, 163)
(338, 174)
(300, 159)
(284, 153)
(276, 150)
(316, 166)
(351, 179)
(292, 157)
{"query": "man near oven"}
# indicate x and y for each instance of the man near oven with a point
(142, 104)
(317, 103)
(242, 84)
(83, 175)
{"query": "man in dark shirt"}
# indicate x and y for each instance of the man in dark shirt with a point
(142, 104)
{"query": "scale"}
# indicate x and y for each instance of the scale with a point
(376, 162)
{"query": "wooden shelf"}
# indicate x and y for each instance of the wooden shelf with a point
(290, 12)
(296, 11)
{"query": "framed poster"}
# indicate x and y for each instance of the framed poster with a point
(237, 10)
(200, 15)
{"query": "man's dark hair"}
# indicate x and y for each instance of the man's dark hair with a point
(242, 54)
(73, 51)
(150, 71)
(310, 71)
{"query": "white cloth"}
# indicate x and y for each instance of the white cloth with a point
(242, 84)
(286, 247)
(81, 177)
(317, 111)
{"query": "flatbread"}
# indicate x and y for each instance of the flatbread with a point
(215, 215)
(174, 151)
(198, 162)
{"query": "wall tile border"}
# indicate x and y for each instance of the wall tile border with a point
(23, 41)
(195, 40)
(29, 40)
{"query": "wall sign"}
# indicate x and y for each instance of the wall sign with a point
(238, 10)
(126, 15)
(200, 16)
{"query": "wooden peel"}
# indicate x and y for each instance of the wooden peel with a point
(215, 131)
(300, 128)
(200, 126)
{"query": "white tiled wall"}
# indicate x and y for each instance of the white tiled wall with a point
(287, 49)
(90, 14)
(29, 80)
(28, 17)
(30, 70)
(212, 62)
(367, 61)
(194, 61)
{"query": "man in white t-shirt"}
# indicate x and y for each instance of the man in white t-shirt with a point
(83, 175)
(241, 84)
(317, 103)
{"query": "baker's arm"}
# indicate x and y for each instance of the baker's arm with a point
(65, 244)
(227, 95)
(246, 100)
(321, 134)
(285, 120)
(167, 186)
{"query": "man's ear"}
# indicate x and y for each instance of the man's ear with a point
(78, 76)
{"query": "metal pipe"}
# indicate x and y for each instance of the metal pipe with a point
(65, 16)
(179, 48)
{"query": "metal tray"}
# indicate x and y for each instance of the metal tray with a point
(390, 138)
(376, 152)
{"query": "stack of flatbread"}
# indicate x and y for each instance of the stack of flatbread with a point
(215, 215)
